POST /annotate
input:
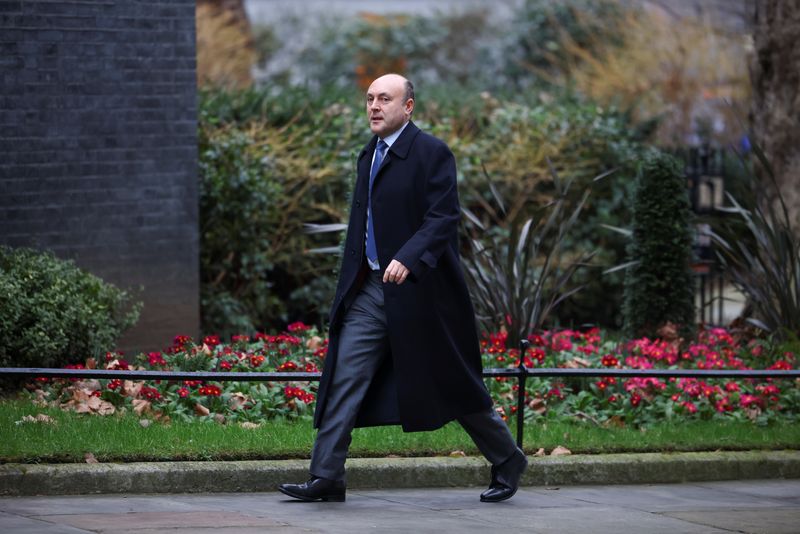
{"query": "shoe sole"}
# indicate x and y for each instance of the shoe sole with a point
(325, 498)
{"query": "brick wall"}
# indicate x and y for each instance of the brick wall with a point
(98, 151)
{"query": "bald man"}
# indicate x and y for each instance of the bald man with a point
(403, 343)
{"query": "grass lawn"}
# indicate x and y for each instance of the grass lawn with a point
(122, 438)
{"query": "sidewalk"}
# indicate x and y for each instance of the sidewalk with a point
(763, 506)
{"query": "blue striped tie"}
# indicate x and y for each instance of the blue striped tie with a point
(372, 249)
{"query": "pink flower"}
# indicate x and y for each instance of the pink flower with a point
(731, 386)
(689, 406)
(183, 393)
(298, 326)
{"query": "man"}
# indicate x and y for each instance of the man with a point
(403, 344)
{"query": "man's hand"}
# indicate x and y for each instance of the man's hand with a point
(395, 272)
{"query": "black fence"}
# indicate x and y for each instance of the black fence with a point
(521, 373)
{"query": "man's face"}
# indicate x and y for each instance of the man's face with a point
(387, 107)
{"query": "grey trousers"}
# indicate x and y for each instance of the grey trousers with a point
(363, 343)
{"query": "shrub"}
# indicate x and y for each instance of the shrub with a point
(658, 287)
(259, 184)
(760, 252)
(53, 313)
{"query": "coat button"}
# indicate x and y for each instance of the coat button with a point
(358, 203)
(352, 252)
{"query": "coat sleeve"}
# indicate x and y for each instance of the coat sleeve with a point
(442, 214)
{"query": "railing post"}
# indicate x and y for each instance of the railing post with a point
(523, 375)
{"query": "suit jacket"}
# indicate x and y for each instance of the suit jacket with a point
(433, 374)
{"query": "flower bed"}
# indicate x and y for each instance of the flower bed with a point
(639, 401)
(609, 401)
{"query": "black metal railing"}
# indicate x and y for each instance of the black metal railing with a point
(521, 373)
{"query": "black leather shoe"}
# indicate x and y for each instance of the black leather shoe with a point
(505, 478)
(316, 489)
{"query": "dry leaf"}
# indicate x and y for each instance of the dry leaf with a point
(131, 388)
(560, 451)
(457, 454)
(160, 417)
(106, 408)
(219, 418)
(141, 406)
(615, 421)
(538, 405)
(540, 452)
(90, 459)
(575, 363)
(314, 343)
(248, 425)
(40, 418)
(201, 410)
(91, 363)
(237, 400)
(144, 423)
(90, 384)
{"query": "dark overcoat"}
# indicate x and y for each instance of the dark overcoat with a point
(433, 372)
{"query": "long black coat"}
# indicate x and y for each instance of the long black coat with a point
(433, 374)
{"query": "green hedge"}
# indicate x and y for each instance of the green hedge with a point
(52, 313)
(658, 288)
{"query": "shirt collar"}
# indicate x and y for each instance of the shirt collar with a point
(390, 139)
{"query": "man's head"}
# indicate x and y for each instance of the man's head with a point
(390, 102)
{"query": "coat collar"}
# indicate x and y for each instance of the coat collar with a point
(400, 147)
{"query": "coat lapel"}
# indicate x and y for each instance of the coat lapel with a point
(399, 149)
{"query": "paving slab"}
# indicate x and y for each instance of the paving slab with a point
(758, 507)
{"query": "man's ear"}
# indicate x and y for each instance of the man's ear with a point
(409, 105)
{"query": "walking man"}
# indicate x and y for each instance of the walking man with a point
(403, 343)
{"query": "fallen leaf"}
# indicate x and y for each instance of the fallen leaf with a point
(540, 452)
(560, 451)
(615, 421)
(90, 384)
(219, 418)
(91, 363)
(90, 459)
(40, 418)
(131, 388)
(538, 405)
(141, 406)
(161, 417)
(106, 408)
(249, 425)
(144, 423)
(237, 400)
(556, 488)
(314, 343)
(457, 454)
(576, 363)
(201, 410)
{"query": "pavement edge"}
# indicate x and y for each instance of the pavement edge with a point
(363, 473)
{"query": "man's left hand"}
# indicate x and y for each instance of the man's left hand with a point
(396, 272)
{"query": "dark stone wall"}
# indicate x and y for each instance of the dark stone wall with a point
(98, 148)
